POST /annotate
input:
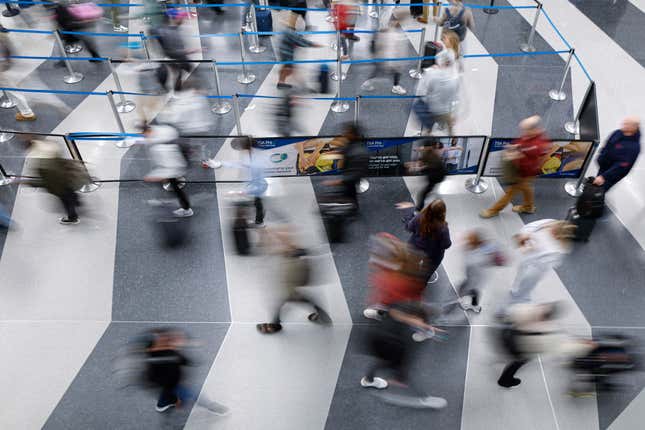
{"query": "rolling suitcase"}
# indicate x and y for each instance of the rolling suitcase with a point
(584, 225)
(591, 203)
(264, 20)
(430, 50)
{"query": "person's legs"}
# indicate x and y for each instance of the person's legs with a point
(507, 378)
(70, 202)
(421, 198)
(396, 77)
(525, 185)
(285, 72)
(181, 195)
(5, 219)
(505, 199)
(21, 104)
(91, 47)
(259, 210)
(167, 399)
(115, 14)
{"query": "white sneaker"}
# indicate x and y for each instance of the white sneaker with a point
(378, 383)
(420, 336)
(433, 402)
(398, 89)
(465, 303)
(212, 163)
(183, 213)
(367, 86)
(372, 314)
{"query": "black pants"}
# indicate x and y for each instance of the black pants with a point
(178, 68)
(70, 203)
(509, 371)
(259, 210)
(379, 70)
(421, 198)
(181, 195)
(509, 340)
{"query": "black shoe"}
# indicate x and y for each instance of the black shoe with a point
(514, 382)
(69, 221)
(162, 407)
(283, 86)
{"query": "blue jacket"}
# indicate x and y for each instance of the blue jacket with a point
(618, 156)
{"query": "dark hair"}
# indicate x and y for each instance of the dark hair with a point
(432, 218)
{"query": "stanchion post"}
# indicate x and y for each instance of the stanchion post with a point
(144, 42)
(559, 95)
(477, 185)
(245, 77)
(76, 155)
(123, 143)
(416, 73)
(73, 77)
(236, 110)
(123, 106)
(338, 75)
(491, 10)
(436, 25)
(574, 188)
(6, 102)
(357, 110)
(573, 127)
(339, 106)
(220, 107)
(528, 46)
(254, 40)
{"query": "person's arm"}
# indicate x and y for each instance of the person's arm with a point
(445, 240)
(469, 19)
(618, 169)
(412, 223)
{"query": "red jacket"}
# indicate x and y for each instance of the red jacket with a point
(534, 150)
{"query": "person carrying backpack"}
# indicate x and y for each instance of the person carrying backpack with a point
(457, 18)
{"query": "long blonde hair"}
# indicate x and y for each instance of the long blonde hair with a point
(451, 40)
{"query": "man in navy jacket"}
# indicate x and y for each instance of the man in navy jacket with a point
(619, 154)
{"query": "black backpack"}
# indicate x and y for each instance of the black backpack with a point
(591, 203)
(456, 23)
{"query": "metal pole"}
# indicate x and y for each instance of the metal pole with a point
(254, 41)
(73, 77)
(573, 127)
(357, 109)
(436, 25)
(416, 73)
(339, 71)
(335, 44)
(559, 95)
(245, 77)
(574, 188)
(124, 106)
(123, 143)
(477, 185)
(236, 110)
(76, 155)
(144, 42)
(491, 10)
(339, 106)
(6, 102)
(220, 107)
(528, 46)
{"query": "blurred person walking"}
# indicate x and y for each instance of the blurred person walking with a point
(169, 162)
(386, 44)
(429, 233)
(346, 13)
(542, 245)
(78, 17)
(457, 18)
(524, 158)
(6, 50)
(60, 176)
(165, 361)
(170, 38)
(288, 43)
(619, 154)
(295, 281)
(438, 91)
(429, 164)
(390, 342)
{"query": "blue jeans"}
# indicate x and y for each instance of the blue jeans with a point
(426, 117)
(5, 219)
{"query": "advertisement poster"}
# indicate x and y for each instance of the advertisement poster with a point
(564, 160)
(299, 156)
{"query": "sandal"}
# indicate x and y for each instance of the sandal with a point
(268, 328)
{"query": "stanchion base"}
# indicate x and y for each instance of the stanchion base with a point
(73, 78)
(334, 76)
(572, 127)
(10, 12)
(572, 189)
(415, 74)
(249, 78)
(221, 108)
(490, 11)
(6, 137)
(6, 181)
(525, 47)
(373, 14)
(73, 48)
(339, 106)
(126, 107)
(556, 95)
(363, 186)
(7, 103)
(257, 49)
(125, 143)
(476, 186)
(181, 183)
(120, 29)
(88, 188)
